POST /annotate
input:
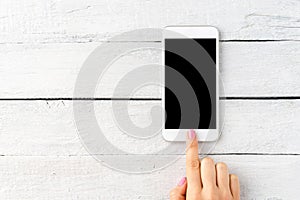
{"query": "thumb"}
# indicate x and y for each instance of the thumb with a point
(178, 193)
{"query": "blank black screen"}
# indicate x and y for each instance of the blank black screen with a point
(190, 83)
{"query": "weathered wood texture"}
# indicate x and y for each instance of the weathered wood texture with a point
(92, 20)
(48, 128)
(60, 177)
(50, 71)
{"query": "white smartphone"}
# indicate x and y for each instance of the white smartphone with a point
(190, 96)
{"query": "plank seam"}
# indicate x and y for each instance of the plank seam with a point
(210, 154)
(144, 99)
(136, 41)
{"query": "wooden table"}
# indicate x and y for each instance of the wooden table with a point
(43, 45)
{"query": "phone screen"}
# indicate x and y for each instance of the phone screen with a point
(190, 83)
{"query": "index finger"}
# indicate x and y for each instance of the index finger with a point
(193, 163)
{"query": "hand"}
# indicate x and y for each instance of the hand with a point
(204, 180)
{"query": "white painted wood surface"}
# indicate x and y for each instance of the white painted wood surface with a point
(81, 177)
(50, 70)
(48, 128)
(43, 45)
(92, 20)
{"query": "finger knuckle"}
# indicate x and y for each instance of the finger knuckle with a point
(211, 195)
(194, 164)
(226, 195)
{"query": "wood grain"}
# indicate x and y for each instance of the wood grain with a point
(91, 20)
(264, 69)
(48, 128)
(81, 177)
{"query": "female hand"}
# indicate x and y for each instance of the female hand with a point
(205, 180)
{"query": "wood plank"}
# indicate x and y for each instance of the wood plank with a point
(50, 70)
(48, 128)
(83, 21)
(261, 177)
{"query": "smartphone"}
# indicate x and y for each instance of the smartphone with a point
(190, 96)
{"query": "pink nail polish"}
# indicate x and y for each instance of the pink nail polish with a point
(192, 134)
(182, 181)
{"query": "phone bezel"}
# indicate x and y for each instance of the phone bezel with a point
(193, 32)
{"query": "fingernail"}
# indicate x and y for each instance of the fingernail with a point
(182, 181)
(192, 134)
